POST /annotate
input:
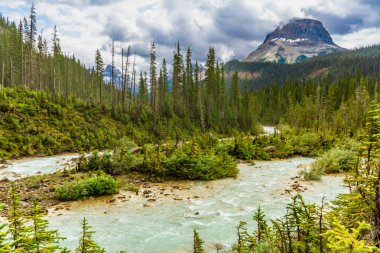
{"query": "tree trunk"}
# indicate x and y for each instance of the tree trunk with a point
(2, 75)
(377, 210)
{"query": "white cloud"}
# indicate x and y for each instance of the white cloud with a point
(361, 38)
(234, 27)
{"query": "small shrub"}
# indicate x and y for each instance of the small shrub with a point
(35, 181)
(87, 187)
(335, 160)
(245, 149)
(311, 174)
(201, 167)
(132, 188)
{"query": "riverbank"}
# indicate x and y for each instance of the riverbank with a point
(212, 207)
(134, 186)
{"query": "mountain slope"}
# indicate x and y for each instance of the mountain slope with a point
(365, 61)
(295, 41)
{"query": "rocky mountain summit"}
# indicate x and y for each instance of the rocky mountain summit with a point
(295, 41)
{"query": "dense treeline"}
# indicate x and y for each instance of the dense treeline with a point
(337, 108)
(195, 102)
(350, 224)
(327, 69)
(51, 103)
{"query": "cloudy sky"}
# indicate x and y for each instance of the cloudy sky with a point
(233, 27)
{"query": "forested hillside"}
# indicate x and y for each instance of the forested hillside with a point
(197, 128)
(194, 102)
(328, 68)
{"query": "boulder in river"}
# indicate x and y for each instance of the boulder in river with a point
(146, 192)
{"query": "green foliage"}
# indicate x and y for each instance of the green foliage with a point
(197, 244)
(327, 68)
(246, 149)
(35, 181)
(262, 226)
(5, 245)
(362, 202)
(200, 166)
(42, 239)
(341, 239)
(244, 242)
(335, 160)
(86, 243)
(132, 188)
(57, 125)
(195, 160)
(17, 228)
(87, 187)
(311, 174)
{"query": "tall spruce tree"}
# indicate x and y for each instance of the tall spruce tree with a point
(99, 74)
(18, 230)
(153, 83)
(86, 243)
(32, 38)
(197, 243)
(177, 79)
(42, 239)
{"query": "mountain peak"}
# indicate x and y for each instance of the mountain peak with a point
(295, 41)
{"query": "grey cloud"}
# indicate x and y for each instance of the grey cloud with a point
(83, 3)
(237, 21)
(234, 27)
(115, 29)
(335, 24)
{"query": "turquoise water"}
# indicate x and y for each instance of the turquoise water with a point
(166, 225)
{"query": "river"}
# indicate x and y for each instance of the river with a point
(214, 208)
(130, 222)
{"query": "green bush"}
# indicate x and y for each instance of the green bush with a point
(87, 187)
(120, 161)
(335, 160)
(311, 174)
(246, 149)
(201, 167)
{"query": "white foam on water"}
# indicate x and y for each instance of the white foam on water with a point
(129, 226)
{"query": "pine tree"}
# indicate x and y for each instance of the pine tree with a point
(188, 88)
(235, 92)
(153, 84)
(210, 85)
(32, 34)
(163, 86)
(262, 226)
(197, 243)
(341, 239)
(18, 231)
(56, 58)
(99, 74)
(42, 239)
(40, 47)
(242, 245)
(143, 92)
(86, 243)
(56, 43)
(5, 245)
(177, 78)
(20, 43)
(112, 85)
(199, 101)
(133, 91)
(125, 79)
